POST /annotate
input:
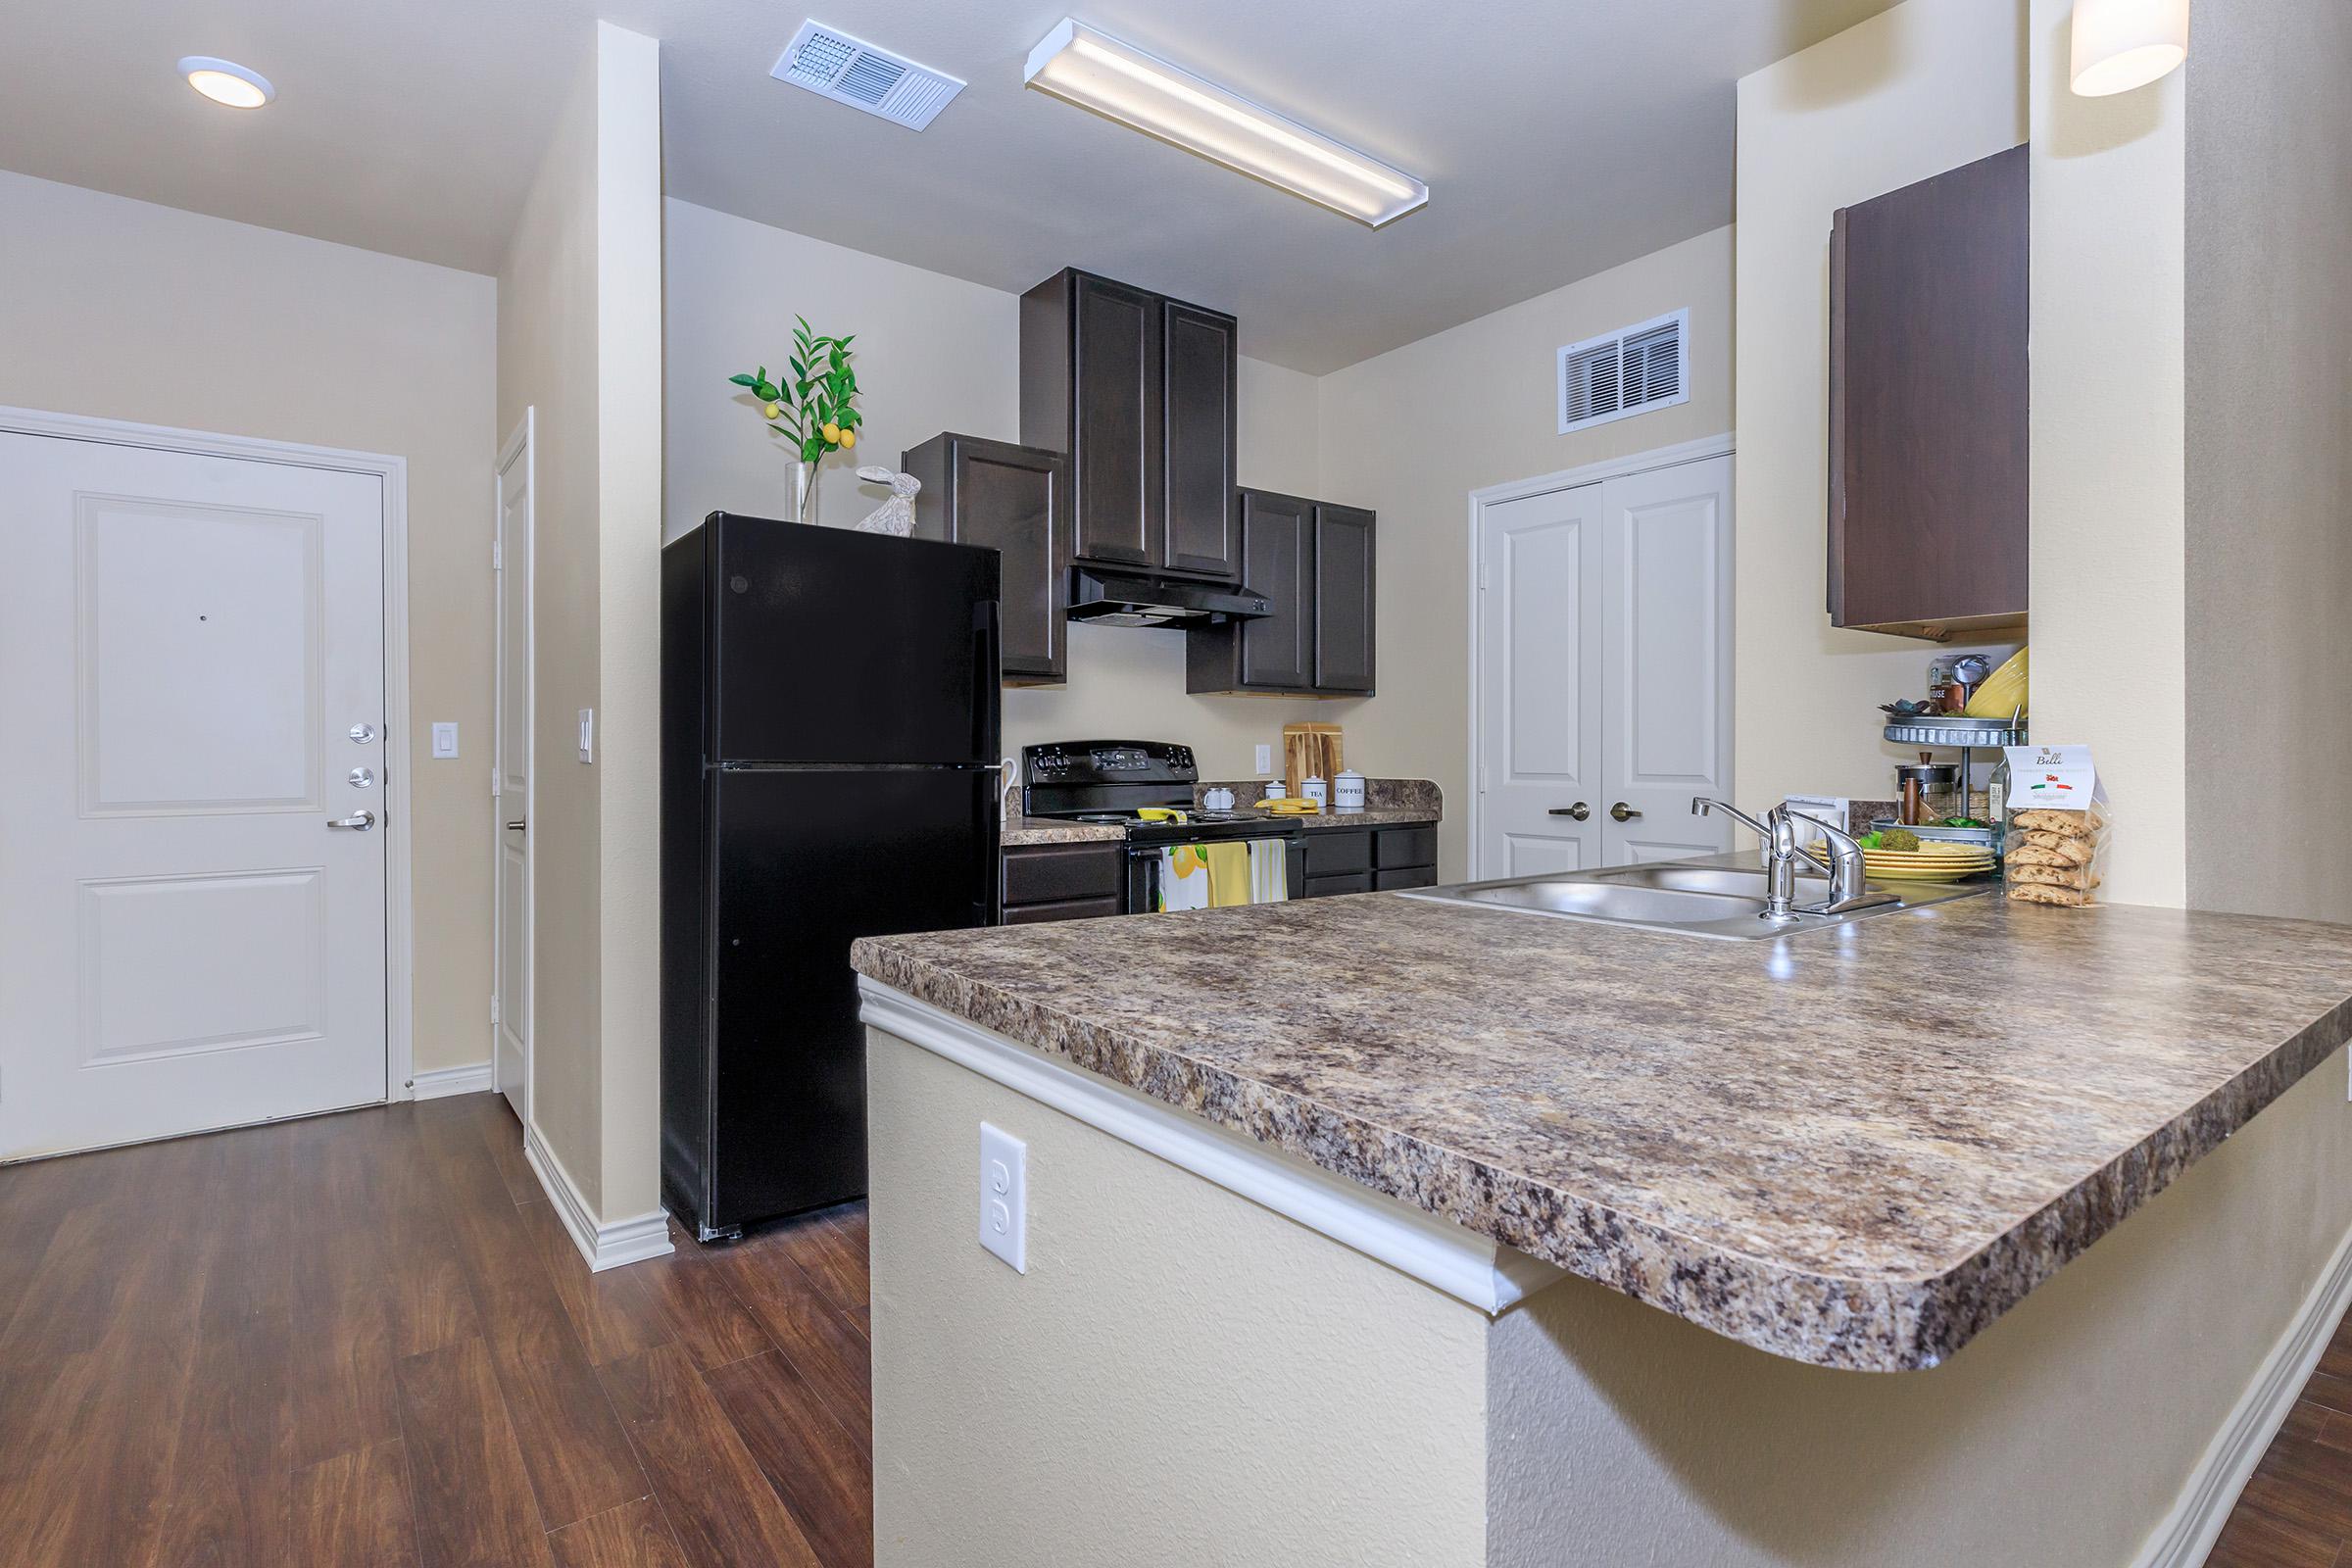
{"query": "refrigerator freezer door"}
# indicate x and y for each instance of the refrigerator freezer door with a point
(833, 646)
(808, 860)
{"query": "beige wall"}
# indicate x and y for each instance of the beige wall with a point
(1919, 89)
(129, 311)
(580, 341)
(1393, 439)
(2110, 371)
(2268, 404)
(936, 353)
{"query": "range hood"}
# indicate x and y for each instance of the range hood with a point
(1145, 598)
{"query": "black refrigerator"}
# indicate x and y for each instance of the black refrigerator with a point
(829, 740)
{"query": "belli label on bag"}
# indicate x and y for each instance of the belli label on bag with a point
(2053, 779)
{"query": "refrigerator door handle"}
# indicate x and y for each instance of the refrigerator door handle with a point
(987, 667)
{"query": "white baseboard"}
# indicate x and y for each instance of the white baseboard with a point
(2189, 1531)
(626, 1241)
(473, 1078)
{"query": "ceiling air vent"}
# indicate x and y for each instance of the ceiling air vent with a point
(1631, 371)
(850, 71)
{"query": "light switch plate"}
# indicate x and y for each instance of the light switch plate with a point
(587, 734)
(1004, 1197)
(445, 738)
(1265, 761)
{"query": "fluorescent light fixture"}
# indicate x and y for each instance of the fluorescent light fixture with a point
(2123, 44)
(224, 81)
(1118, 81)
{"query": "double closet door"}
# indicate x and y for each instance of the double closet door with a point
(1605, 639)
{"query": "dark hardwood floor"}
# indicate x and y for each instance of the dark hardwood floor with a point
(364, 1340)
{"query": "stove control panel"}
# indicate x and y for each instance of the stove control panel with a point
(1109, 762)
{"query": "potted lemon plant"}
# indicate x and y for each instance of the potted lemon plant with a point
(816, 411)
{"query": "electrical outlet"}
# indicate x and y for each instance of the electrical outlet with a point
(1004, 1197)
(1265, 761)
(445, 738)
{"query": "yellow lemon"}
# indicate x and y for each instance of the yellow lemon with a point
(848, 438)
(833, 433)
(768, 410)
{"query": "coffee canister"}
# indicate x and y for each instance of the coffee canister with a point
(1348, 791)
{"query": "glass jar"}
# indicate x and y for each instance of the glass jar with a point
(1931, 792)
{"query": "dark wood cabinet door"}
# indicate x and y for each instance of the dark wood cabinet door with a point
(1929, 300)
(1278, 561)
(1116, 443)
(1342, 599)
(1200, 531)
(1013, 500)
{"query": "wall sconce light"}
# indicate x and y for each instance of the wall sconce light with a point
(2123, 44)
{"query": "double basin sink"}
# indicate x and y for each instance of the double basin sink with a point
(1719, 896)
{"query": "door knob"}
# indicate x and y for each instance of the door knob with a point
(358, 821)
(517, 827)
(1579, 811)
(1623, 813)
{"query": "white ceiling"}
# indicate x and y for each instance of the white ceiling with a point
(1558, 137)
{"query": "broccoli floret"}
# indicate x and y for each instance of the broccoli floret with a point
(1898, 839)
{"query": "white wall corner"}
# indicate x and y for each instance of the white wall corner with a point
(603, 1245)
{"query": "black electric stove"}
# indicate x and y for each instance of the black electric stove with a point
(1114, 781)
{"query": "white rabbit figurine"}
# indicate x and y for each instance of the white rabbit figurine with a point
(894, 517)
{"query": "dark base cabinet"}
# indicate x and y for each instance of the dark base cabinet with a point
(1014, 500)
(1372, 860)
(1315, 561)
(1064, 881)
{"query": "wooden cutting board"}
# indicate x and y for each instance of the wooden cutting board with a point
(1310, 751)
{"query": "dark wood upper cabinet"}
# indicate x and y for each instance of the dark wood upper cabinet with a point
(1014, 500)
(1342, 600)
(1138, 390)
(1197, 392)
(1929, 305)
(1314, 563)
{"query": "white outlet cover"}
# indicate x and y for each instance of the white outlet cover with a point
(1265, 761)
(1004, 1197)
(445, 738)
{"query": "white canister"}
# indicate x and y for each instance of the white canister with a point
(1348, 791)
(1219, 800)
(1275, 790)
(1315, 789)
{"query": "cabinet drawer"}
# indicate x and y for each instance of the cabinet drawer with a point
(1062, 909)
(1410, 876)
(1327, 887)
(1332, 851)
(1055, 874)
(1393, 846)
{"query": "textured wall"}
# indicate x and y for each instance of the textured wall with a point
(2270, 454)
(1916, 90)
(129, 311)
(1182, 1377)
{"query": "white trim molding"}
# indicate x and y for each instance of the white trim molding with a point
(400, 928)
(604, 1245)
(1463, 1264)
(2189, 1532)
(1698, 450)
(439, 1083)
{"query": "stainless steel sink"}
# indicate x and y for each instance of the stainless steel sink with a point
(1719, 896)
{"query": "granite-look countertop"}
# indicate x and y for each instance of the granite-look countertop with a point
(1855, 1147)
(1020, 830)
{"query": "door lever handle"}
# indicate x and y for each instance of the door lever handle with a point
(358, 821)
(1579, 811)
(1622, 813)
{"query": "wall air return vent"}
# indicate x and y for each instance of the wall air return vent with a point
(1628, 371)
(850, 71)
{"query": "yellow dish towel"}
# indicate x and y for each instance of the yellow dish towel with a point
(1228, 872)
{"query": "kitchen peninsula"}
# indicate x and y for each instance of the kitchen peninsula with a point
(1435, 1234)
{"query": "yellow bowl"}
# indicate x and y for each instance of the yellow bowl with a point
(2002, 693)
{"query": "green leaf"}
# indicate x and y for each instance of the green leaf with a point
(846, 341)
(799, 370)
(813, 449)
(768, 392)
(744, 380)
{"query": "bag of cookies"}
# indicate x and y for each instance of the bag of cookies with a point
(2055, 846)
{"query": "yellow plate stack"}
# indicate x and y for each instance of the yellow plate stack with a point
(1932, 862)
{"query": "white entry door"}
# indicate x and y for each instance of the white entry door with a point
(192, 874)
(1666, 634)
(1605, 671)
(510, 778)
(1539, 702)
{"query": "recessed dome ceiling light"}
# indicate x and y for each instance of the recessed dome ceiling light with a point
(224, 81)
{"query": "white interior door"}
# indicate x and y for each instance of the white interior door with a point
(1666, 640)
(1540, 697)
(192, 877)
(511, 776)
